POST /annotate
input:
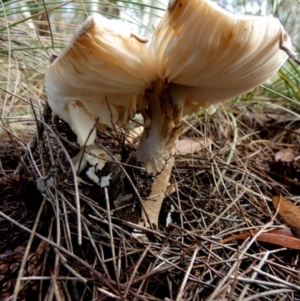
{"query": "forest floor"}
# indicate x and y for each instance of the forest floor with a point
(220, 236)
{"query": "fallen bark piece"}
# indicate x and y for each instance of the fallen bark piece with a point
(289, 212)
(281, 237)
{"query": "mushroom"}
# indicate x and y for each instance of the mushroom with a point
(199, 55)
(103, 74)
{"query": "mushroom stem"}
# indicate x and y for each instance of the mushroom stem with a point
(157, 148)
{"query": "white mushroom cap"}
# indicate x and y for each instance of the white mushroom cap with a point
(102, 73)
(216, 55)
(201, 52)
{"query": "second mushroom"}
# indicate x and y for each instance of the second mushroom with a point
(199, 55)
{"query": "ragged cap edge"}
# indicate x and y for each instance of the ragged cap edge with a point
(171, 4)
(81, 29)
(285, 44)
(95, 20)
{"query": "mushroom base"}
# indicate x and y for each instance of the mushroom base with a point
(157, 149)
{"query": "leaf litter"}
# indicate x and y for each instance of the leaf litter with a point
(191, 256)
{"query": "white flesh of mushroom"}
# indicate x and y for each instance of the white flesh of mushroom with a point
(199, 55)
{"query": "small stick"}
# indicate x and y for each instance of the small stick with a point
(139, 38)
